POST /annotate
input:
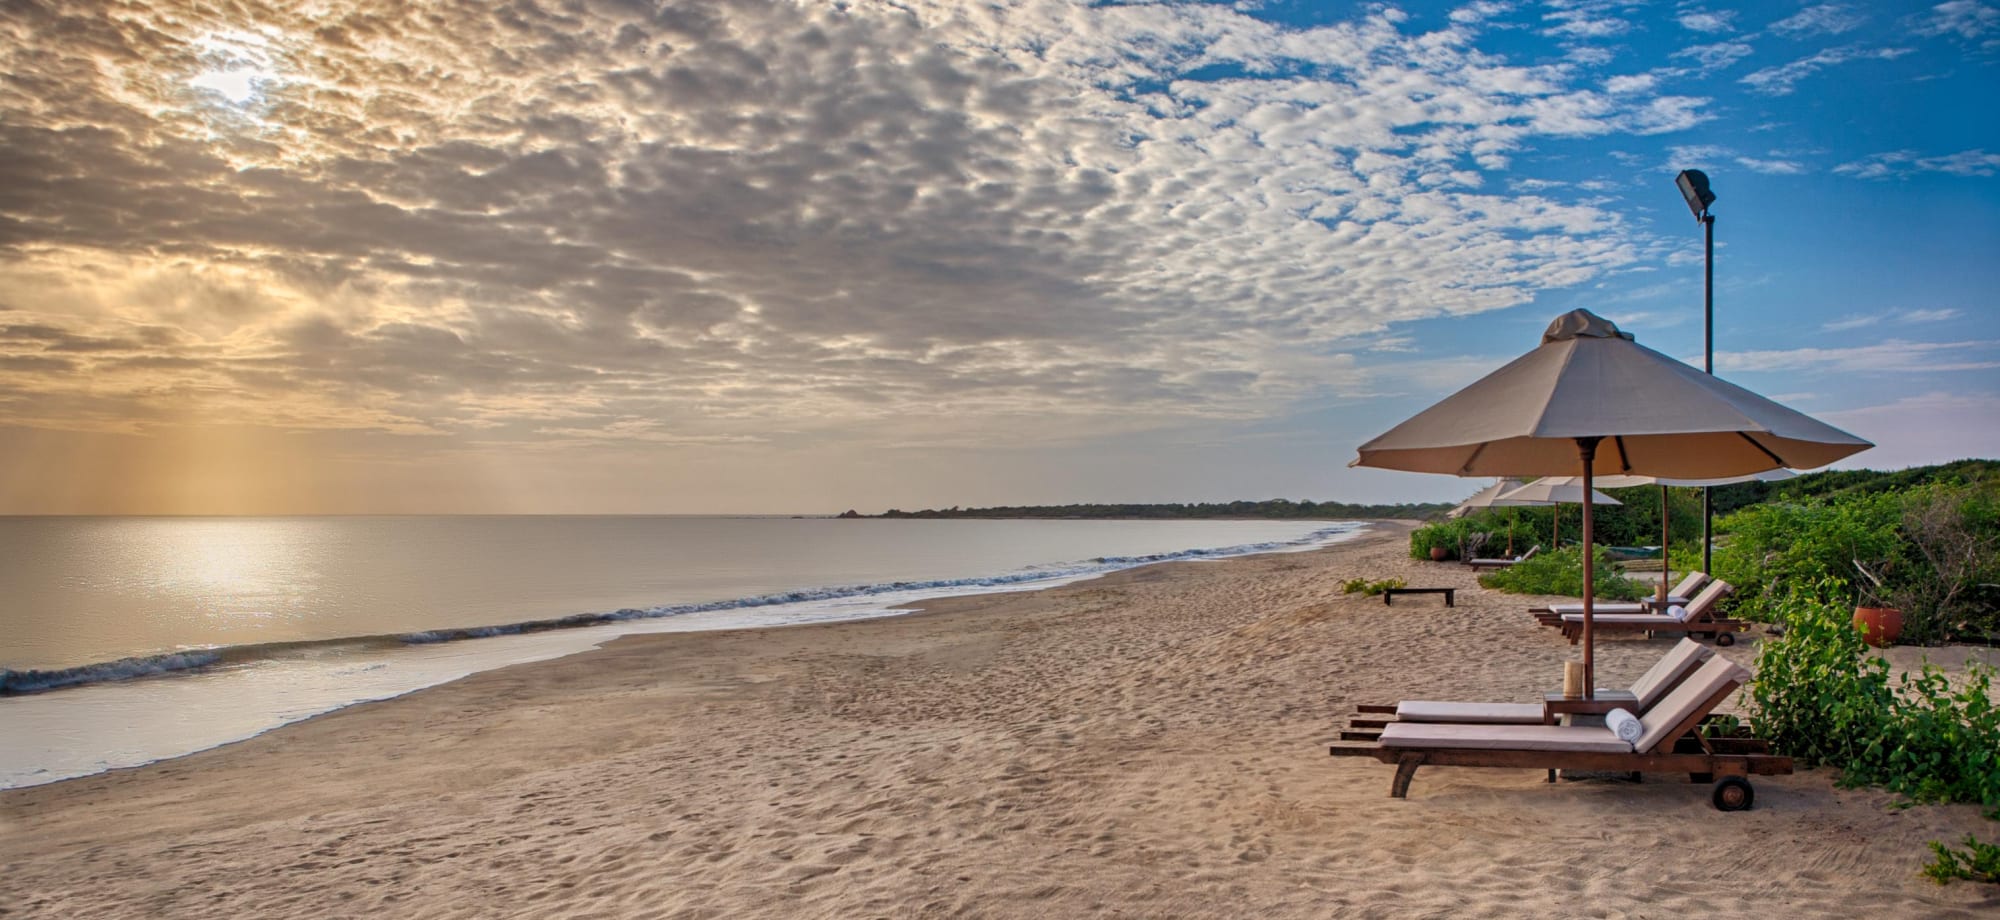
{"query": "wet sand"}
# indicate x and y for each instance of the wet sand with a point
(1146, 744)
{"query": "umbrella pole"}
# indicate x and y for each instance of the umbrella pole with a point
(1664, 512)
(1586, 449)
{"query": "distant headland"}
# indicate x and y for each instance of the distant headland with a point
(1270, 508)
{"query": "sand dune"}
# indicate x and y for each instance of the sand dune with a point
(1147, 744)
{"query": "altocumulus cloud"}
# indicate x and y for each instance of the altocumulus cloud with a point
(694, 222)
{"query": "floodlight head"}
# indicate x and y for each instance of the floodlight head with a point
(1694, 187)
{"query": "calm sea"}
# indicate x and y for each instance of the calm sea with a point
(127, 640)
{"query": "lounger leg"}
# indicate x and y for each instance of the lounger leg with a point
(1406, 767)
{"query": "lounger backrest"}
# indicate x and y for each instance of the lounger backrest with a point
(1689, 585)
(1531, 551)
(1694, 698)
(1668, 672)
(1698, 609)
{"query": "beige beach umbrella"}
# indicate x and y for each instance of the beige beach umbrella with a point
(1589, 399)
(1489, 497)
(1558, 491)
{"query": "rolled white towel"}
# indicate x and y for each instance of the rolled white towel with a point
(1625, 725)
(1678, 612)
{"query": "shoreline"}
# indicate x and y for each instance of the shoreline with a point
(117, 725)
(1148, 741)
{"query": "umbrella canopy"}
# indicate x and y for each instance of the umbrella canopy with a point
(1558, 490)
(1658, 417)
(1626, 482)
(1592, 400)
(1490, 497)
(1567, 490)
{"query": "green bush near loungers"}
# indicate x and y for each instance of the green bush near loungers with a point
(1820, 697)
(1561, 573)
(1934, 547)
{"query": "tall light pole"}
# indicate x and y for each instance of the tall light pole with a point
(1693, 184)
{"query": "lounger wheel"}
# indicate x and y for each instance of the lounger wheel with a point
(1733, 793)
(1726, 638)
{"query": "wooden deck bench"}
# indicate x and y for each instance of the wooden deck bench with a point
(1448, 593)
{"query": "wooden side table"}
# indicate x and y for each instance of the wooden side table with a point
(1555, 705)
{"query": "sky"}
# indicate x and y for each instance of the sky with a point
(755, 256)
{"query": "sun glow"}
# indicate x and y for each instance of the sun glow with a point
(241, 67)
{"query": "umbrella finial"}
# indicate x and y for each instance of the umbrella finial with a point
(1582, 322)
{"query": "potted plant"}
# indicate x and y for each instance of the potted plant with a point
(1439, 553)
(1880, 624)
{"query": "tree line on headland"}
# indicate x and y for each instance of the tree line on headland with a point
(1270, 508)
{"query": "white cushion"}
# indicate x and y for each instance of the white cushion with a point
(1626, 619)
(1687, 655)
(1487, 713)
(1715, 676)
(1602, 607)
(1593, 739)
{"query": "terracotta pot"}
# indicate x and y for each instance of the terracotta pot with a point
(1880, 626)
(1439, 554)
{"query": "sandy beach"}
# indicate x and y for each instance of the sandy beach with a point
(1152, 743)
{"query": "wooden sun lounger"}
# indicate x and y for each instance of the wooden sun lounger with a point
(1669, 744)
(1502, 563)
(1700, 621)
(1651, 687)
(1682, 595)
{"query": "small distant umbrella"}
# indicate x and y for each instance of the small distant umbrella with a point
(1558, 491)
(1589, 385)
(1489, 497)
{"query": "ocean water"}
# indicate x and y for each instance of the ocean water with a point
(129, 640)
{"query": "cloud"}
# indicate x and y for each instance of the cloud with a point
(1584, 20)
(1634, 83)
(1707, 21)
(1849, 323)
(1964, 18)
(706, 221)
(1695, 156)
(1861, 321)
(1478, 12)
(1717, 56)
(1781, 80)
(1892, 356)
(1772, 166)
(1825, 19)
(1905, 163)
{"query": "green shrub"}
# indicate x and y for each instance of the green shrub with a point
(1930, 550)
(1369, 588)
(1451, 535)
(1979, 862)
(1561, 572)
(1822, 698)
(1804, 544)
(1819, 696)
